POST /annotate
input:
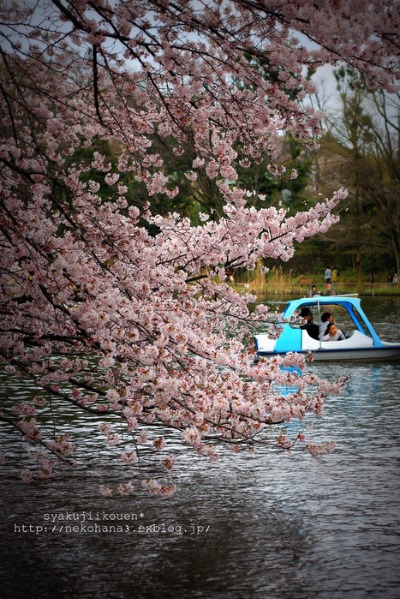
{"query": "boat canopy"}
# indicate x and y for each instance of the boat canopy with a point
(351, 303)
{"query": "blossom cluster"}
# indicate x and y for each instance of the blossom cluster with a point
(115, 309)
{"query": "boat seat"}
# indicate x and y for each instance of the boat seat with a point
(354, 339)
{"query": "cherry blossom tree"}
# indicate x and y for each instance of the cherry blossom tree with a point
(107, 305)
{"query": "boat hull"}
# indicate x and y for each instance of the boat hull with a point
(370, 354)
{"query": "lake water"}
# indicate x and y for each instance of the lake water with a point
(268, 526)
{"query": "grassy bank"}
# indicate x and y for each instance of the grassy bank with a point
(281, 284)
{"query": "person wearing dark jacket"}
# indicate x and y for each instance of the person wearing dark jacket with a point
(311, 328)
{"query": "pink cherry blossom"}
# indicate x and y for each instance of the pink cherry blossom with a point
(26, 476)
(114, 309)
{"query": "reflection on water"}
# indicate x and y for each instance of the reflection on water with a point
(264, 526)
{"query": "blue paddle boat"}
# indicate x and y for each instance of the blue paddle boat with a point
(361, 341)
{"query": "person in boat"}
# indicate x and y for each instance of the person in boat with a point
(326, 318)
(333, 333)
(313, 291)
(311, 328)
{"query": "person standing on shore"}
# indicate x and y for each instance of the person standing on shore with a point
(328, 275)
